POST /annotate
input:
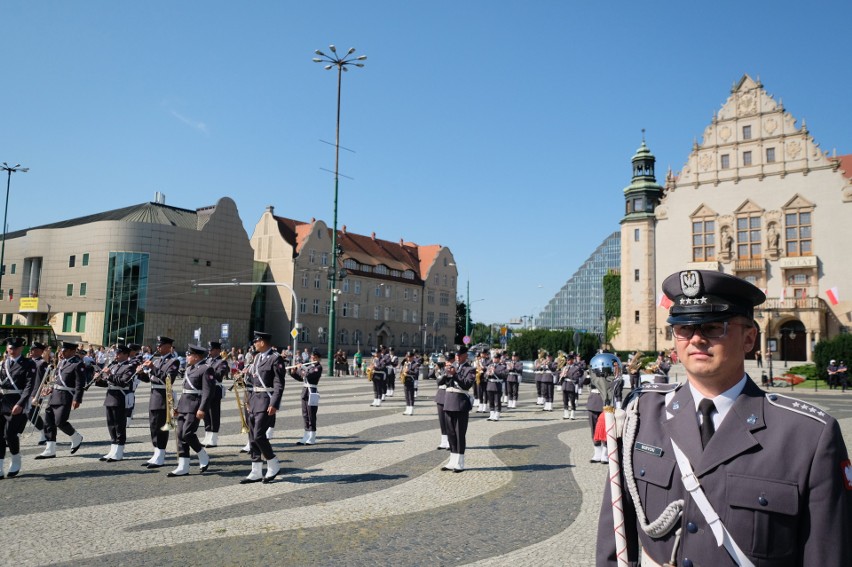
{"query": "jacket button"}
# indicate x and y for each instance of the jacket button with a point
(641, 472)
(691, 528)
(686, 562)
(762, 501)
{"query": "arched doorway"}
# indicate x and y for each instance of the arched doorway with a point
(750, 355)
(382, 338)
(791, 341)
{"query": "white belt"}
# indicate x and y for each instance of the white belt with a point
(64, 389)
(4, 391)
(456, 391)
(442, 387)
(495, 380)
(262, 389)
(157, 387)
(514, 374)
(310, 386)
(382, 372)
(595, 391)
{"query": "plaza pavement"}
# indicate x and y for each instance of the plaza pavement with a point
(370, 493)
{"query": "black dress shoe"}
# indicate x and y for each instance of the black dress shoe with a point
(243, 451)
(458, 470)
(39, 457)
(111, 460)
(104, 458)
(268, 479)
(209, 446)
(203, 469)
(153, 466)
(173, 475)
(12, 474)
(250, 480)
(77, 448)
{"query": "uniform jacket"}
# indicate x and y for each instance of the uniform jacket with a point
(413, 370)
(499, 372)
(464, 379)
(121, 375)
(548, 372)
(163, 366)
(267, 371)
(310, 373)
(514, 371)
(572, 380)
(776, 472)
(17, 375)
(70, 374)
(199, 382)
(220, 372)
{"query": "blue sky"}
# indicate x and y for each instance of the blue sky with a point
(503, 130)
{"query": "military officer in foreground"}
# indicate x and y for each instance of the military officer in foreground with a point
(460, 378)
(717, 471)
(66, 394)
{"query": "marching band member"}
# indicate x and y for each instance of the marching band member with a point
(515, 374)
(17, 380)
(410, 370)
(199, 382)
(538, 368)
(309, 374)
(440, 394)
(117, 378)
(482, 385)
(496, 373)
(135, 359)
(390, 379)
(607, 384)
(380, 363)
(266, 375)
(37, 354)
(66, 394)
(156, 370)
(213, 418)
(548, 377)
(460, 378)
(570, 380)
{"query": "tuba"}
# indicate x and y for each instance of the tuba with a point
(635, 363)
(370, 370)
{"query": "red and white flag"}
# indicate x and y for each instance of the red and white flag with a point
(833, 296)
(664, 301)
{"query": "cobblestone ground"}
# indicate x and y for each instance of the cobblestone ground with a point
(371, 492)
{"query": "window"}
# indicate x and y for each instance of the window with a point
(388, 290)
(445, 298)
(357, 337)
(316, 307)
(382, 269)
(379, 290)
(405, 315)
(81, 323)
(430, 317)
(408, 274)
(344, 337)
(403, 339)
(725, 161)
(414, 316)
(770, 155)
(414, 295)
(748, 237)
(327, 306)
(344, 311)
(746, 158)
(317, 282)
(746, 132)
(445, 277)
(635, 275)
(305, 279)
(85, 259)
(703, 240)
(376, 313)
(430, 297)
(797, 233)
(67, 321)
(636, 316)
(395, 273)
(798, 279)
(322, 335)
(443, 319)
(69, 290)
(13, 268)
(635, 235)
(71, 261)
(303, 305)
(405, 294)
(350, 264)
(312, 256)
(387, 314)
(324, 260)
(356, 310)
(305, 335)
(345, 286)
(357, 285)
(83, 288)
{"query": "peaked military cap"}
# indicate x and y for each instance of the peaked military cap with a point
(16, 342)
(214, 345)
(134, 347)
(164, 340)
(124, 349)
(261, 336)
(461, 349)
(66, 345)
(38, 345)
(704, 296)
(196, 349)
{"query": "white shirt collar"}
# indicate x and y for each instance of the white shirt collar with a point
(723, 402)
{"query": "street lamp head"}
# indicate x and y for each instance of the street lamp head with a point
(351, 51)
(360, 57)
(329, 67)
(317, 60)
(320, 53)
(333, 49)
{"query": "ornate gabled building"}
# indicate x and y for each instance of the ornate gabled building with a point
(397, 294)
(757, 198)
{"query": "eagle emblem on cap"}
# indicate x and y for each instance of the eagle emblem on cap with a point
(690, 283)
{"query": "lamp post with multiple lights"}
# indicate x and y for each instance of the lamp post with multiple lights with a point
(341, 63)
(9, 169)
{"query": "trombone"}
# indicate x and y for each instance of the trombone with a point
(240, 384)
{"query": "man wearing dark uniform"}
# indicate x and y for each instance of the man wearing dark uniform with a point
(34, 415)
(199, 382)
(163, 366)
(135, 360)
(213, 417)
(118, 379)
(380, 363)
(411, 369)
(514, 376)
(309, 375)
(716, 470)
(67, 394)
(391, 368)
(481, 385)
(17, 380)
(460, 379)
(548, 378)
(495, 375)
(538, 369)
(266, 376)
(442, 380)
(570, 381)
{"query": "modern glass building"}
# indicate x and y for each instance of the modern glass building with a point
(580, 302)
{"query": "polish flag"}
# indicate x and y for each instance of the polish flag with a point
(833, 296)
(664, 301)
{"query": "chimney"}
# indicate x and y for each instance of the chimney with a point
(343, 229)
(313, 220)
(160, 198)
(373, 236)
(401, 242)
(270, 209)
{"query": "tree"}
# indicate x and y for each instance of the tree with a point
(612, 305)
(461, 319)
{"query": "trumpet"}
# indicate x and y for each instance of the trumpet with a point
(310, 363)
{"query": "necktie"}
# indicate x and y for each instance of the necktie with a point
(705, 407)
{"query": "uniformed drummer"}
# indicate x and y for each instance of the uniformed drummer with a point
(717, 471)
(66, 394)
(460, 379)
(17, 380)
(442, 379)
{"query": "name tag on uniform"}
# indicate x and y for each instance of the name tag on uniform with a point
(650, 449)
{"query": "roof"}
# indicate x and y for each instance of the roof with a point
(152, 213)
(845, 165)
(363, 249)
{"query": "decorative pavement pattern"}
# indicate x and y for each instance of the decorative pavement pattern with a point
(370, 492)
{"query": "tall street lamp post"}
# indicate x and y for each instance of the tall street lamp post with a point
(342, 64)
(9, 169)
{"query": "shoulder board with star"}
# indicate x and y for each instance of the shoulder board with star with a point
(798, 406)
(660, 388)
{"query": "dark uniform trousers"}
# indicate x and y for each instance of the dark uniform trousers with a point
(198, 385)
(547, 378)
(213, 416)
(408, 382)
(70, 381)
(156, 375)
(457, 407)
(267, 376)
(118, 383)
(379, 380)
(310, 376)
(776, 472)
(17, 380)
(440, 395)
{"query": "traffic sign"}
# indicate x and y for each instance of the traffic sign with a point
(294, 333)
(466, 340)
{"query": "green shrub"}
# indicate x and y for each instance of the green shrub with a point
(809, 371)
